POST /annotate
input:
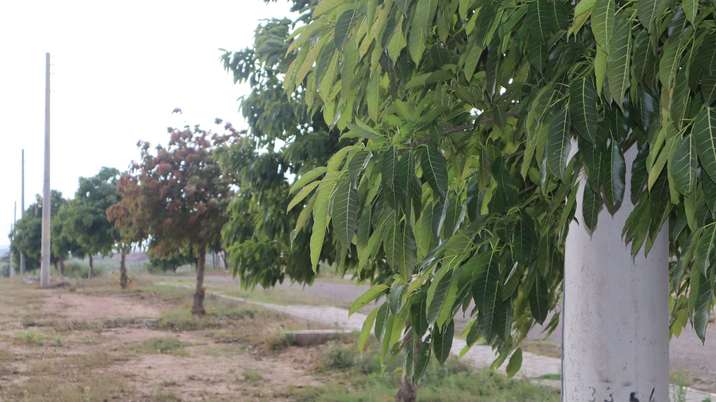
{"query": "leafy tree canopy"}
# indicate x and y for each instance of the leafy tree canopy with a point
(27, 233)
(462, 180)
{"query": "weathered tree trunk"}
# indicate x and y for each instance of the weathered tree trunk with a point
(91, 267)
(198, 307)
(123, 279)
(62, 266)
(223, 260)
(408, 391)
(616, 311)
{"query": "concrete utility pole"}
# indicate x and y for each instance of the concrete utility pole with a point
(616, 317)
(22, 204)
(46, 197)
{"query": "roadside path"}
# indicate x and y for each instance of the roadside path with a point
(534, 367)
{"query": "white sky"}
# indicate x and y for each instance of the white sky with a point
(118, 70)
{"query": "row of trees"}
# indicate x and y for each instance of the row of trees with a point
(429, 147)
(79, 225)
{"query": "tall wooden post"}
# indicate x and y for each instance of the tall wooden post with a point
(46, 198)
(22, 204)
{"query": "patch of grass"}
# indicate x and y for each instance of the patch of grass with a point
(542, 348)
(181, 319)
(551, 377)
(252, 376)
(359, 377)
(162, 345)
(35, 338)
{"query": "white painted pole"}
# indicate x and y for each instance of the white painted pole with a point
(46, 198)
(22, 205)
(616, 339)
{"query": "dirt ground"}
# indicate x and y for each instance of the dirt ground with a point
(86, 345)
(692, 363)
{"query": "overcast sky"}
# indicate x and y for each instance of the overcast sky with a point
(118, 70)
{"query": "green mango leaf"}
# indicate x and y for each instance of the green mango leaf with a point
(670, 60)
(308, 177)
(368, 296)
(704, 133)
(539, 299)
(345, 211)
(583, 108)
(305, 192)
(617, 169)
(442, 341)
(434, 169)
(420, 28)
(600, 68)
(437, 292)
(683, 165)
(343, 25)
(366, 329)
(650, 12)
(321, 217)
(515, 363)
(591, 206)
(705, 253)
(618, 62)
(558, 143)
(486, 294)
(691, 8)
(603, 22)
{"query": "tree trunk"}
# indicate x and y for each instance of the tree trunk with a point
(62, 266)
(615, 311)
(198, 307)
(91, 267)
(123, 279)
(408, 391)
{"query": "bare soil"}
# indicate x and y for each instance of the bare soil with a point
(81, 345)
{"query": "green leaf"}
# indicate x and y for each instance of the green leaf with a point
(308, 177)
(343, 25)
(618, 64)
(366, 329)
(368, 296)
(486, 294)
(615, 190)
(600, 68)
(397, 42)
(420, 28)
(539, 299)
(680, 97)
(691, 8)
(558, 143)
(305, 191)
(424, 234)
(705, 253)
(650, 11)
(399, 246)
(345, 211)
(515, 363)
(670, 60)
(704, 133)
(583, 108)
(434, 169)
(442, 341)
(683, 165)
(437, 292)
(603, 22)
(320, 218)
(591, 206)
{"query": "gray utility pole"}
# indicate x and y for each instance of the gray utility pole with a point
(46, 196)
(22, 205)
